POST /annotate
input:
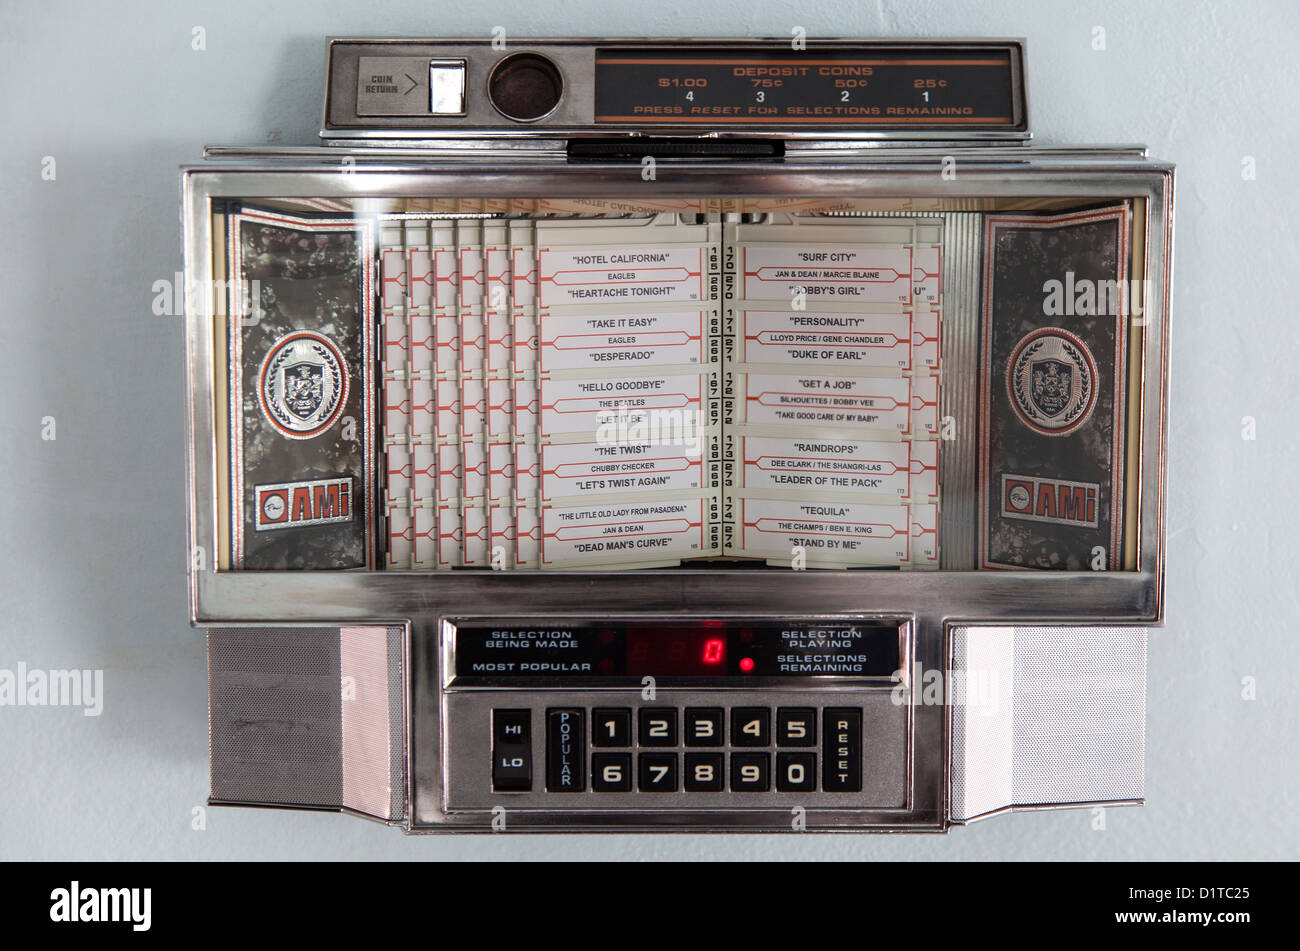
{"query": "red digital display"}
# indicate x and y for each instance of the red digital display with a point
(676, 650)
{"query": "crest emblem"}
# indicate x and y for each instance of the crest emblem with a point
(1052, 381)
(303, 388)
(1051, 385)
(303, 384)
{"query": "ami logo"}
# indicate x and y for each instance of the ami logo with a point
(1050, 500)
(299, 504)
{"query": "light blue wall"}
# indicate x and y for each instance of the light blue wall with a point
(92, 564)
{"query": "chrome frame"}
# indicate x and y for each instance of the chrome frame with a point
(934, 601)
(576, 58)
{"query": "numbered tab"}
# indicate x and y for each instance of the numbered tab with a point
(751, 772)
(657, 772)
(704, 772)
(796, 726)
(611, 728)
(658, 726)
(796, 772)
(611, 772)
(704, 726)
(751, 726)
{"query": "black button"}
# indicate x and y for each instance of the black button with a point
(566, 751)
(658, 772)
(796, 772)
(658, 726)
(751, 772)
(510, 726)
(512, 750)
(611, 727)
(842, 749)
(611, 772)
(751, 726)
(796, 726)
(704, 772)
(704, 726)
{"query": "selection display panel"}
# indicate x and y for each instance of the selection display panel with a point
(492, 649)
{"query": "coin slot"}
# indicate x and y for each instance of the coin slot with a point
(525, 87)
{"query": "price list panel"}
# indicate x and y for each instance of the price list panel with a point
(864, 87)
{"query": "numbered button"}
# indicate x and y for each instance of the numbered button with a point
(751, 726)
(703, 772)
(751, 772)
(796, 772)
(658, 726)
(611, 772)
(796, 726)
(658, 772)
(611, 728)
(704, 726)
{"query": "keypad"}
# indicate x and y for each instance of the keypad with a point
(705, 726)
(611, 727)
(704, 772)
(661, 749)
(657, 772)
(611, 772)
(751, 726)
(796, 772)
(796, 726)
(751, 772)
(658, 726)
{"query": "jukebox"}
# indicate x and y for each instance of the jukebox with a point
(676, 435)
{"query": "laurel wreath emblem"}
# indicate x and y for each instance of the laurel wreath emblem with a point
(1078, 409)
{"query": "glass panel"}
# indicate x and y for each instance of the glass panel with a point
(767, 383)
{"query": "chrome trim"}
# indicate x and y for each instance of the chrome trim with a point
(418, 600)
(574, 58)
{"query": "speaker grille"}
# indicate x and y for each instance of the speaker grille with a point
(1046, 716)
(275, 717)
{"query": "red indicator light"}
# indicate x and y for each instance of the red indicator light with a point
(746, 664)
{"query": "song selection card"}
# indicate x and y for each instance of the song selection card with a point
(585, 469)
(623, 534)
(825, 401)
(848, 338)
(523, 362)
(623, 276)
(832, 397)
(841, 533)
(611, 340)
(834, 467)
